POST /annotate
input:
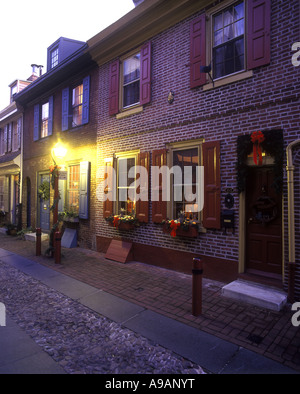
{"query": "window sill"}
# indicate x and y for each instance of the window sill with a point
(228, 80)
(129, 112)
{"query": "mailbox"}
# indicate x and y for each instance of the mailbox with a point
(228, 220)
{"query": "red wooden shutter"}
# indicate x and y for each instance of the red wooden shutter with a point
(197, 51)
(159, 208)
(114, 88)
(258, 33)
(142, 207)
(212, 194)
(108, 205)
(145, 81)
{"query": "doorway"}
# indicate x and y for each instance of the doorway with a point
(44, 205)
(263, 224)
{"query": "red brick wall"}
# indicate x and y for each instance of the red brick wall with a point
(268, 100)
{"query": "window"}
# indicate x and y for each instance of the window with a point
(75, 105)
(54, 57)
(131, 80)
(233, 38)
(13, 90)
(45, 119)
(185, 158)
(126, 200)
(77, 97)
(73, 188)
(228, 41)
(190, 154)
(74, 192)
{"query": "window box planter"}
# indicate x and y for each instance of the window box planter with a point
(122, 222)
(177, 229)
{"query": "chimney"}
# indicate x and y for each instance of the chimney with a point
(36, 72)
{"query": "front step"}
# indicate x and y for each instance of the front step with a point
(252, 293)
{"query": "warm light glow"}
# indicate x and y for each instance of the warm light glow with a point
(59, 151)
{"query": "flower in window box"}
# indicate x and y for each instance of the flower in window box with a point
(181, 227)
(122, 222)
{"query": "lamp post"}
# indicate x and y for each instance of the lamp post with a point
(58, 152)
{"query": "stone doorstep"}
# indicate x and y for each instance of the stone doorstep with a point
(32, 237)
(259, 295)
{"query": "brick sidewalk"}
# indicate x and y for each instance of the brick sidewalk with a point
(169, 293)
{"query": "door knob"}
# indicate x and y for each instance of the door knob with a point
(250, 220)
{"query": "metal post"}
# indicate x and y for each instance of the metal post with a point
(57, 246)
(38, 242)
(291, 284)
(197, 272)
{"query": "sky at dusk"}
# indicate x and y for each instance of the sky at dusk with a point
(27, 29)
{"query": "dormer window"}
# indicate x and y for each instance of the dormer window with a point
(13, 90)
(54, 57)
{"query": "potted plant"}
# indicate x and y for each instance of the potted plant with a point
(182, 227)
(122, 221)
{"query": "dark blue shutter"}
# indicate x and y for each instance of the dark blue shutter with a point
(36, 122)
(84, 190)
(86, 100)
(65, 109)
(50, 118)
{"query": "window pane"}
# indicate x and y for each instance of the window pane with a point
(126, 205)
(218, 37)
(238, 11)
(132, 94)
(77, 116)
(239, 28)
(73, 188)
(131, 80)
(131, 69)
(182, 191)
(228, 17)
(218, 22)
(45, 116)
(77, 96)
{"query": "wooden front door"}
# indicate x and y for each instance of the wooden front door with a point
(263, 223)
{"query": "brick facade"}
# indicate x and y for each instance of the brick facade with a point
(81, 145)
(266, 100)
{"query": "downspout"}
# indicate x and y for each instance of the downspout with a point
(291, 220)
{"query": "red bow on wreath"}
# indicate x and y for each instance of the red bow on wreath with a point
(174, 227)
(116, 221)
(257, 138)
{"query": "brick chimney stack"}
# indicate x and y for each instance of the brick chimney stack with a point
(36, 72)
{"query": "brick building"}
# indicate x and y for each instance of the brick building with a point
(60, 107)
(11, 126)
(157, 106)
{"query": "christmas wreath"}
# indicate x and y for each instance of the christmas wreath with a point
(271, 141)
(44, 191)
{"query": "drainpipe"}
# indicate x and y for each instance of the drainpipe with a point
(291, 220)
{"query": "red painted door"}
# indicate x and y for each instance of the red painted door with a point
(264, 223)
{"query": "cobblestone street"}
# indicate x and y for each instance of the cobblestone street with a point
(267, 333)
